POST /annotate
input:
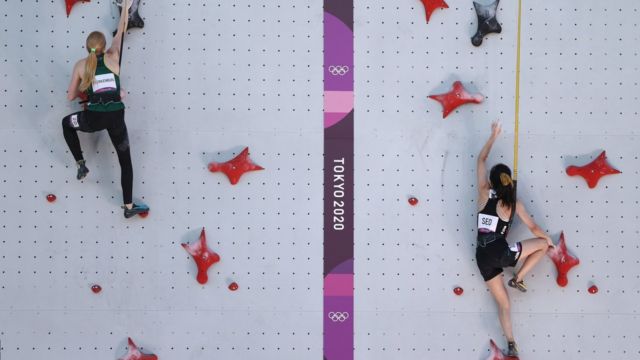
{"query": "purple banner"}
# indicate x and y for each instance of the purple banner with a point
(338, 180)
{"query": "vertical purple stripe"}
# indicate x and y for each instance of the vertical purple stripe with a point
(338, 183)
(338, 54)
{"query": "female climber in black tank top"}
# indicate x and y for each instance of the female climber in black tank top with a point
(97, 77)
(496, 204)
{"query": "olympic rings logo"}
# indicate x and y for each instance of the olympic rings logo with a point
(338, 316)
(338, 70)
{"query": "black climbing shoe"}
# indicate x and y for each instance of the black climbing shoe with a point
(517, 284)
(135, 210)
(513, 349)
(82, 170)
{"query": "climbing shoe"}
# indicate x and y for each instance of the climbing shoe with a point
(135, 210)
(518, 284)
(513, 349)
(82, 169)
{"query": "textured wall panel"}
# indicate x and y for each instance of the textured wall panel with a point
(579, 90)
(204, 79)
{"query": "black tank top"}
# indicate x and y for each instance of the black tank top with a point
(488, 220)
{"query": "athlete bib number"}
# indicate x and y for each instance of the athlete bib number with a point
(103, 83)
(487, 223)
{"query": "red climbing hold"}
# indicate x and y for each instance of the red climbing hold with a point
(593, 289)
(51, 198)
(496, 354)
(563, 260)
(432, 5)
(233, 286)
(84, 99)
(203, 256)
(458, 290)
(96, 289)
(235, 167)
(70, 4)
(413, 201)
(456, 97)
(144, 214)
(135, 354)
(593, 171)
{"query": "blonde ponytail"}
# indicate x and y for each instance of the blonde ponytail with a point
(89, 71)
(95, 45)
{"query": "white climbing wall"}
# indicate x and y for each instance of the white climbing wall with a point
(204, 79)
(579, 96)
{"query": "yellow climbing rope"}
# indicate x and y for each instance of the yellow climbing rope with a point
(517, 111)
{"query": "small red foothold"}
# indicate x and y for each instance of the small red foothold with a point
(51, 198)
(458, 290)
(413, 201)
(593, 289)
(233, 286)
(144, 214)
(96, 289)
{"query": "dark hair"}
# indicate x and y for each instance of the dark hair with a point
(502, 184)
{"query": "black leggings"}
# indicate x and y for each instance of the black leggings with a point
(113, 122)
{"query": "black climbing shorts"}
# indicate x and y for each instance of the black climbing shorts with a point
(92, 121)
(495, 256)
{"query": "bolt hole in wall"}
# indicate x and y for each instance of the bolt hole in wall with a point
(204, 80)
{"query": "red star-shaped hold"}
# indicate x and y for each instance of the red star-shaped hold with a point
(135, 354)
(456, 97)
(235, 167)
(203, 256)
(431, 5)
(563, 260)
(70, 4)
(593, 171)
(496, 354)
